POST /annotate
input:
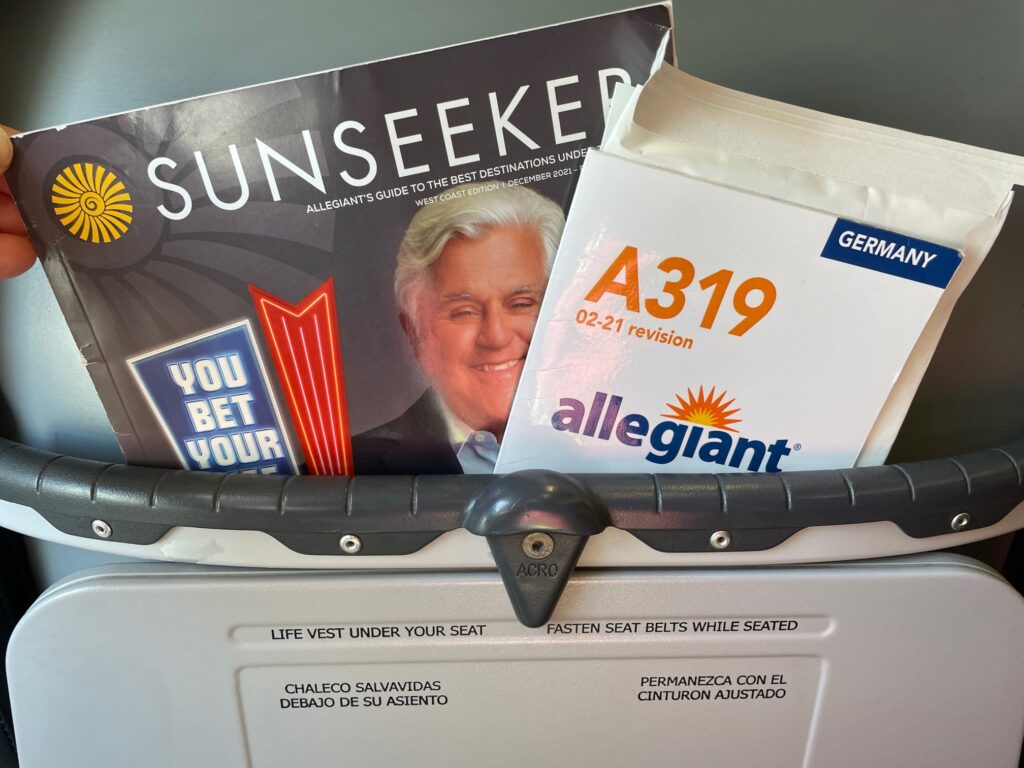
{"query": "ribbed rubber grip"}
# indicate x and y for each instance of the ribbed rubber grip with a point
(398, 515)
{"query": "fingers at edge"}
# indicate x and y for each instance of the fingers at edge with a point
(10, 219)
(17, 254)
(6, 152)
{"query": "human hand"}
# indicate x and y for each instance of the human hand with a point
(16, 251)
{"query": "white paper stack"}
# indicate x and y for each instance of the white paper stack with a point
(933, 189)
(690, 327)
(747, 286)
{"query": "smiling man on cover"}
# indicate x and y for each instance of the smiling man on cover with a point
(472, 270)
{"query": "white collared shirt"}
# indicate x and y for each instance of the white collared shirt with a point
(476, 449)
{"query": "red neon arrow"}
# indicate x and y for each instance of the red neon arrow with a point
(306, 348)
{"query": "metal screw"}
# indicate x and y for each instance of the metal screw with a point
(960, 522)
(102, 529)
(721, 539)
(537, 545)
(350, 544)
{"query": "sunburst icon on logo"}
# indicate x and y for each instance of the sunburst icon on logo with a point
(91, 203)
(706, 410)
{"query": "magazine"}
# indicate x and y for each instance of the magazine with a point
(334, 274)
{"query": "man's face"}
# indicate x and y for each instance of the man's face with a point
(475, 320)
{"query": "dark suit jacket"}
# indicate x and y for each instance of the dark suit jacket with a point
(416, 443)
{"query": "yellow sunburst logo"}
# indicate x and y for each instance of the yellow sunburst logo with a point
(92, 203)
(706, 410)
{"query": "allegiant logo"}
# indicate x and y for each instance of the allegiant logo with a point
(707, 434)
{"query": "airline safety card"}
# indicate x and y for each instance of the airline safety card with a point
(694, 328)
(289, 277)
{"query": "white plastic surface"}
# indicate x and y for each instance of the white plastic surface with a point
(883, 664)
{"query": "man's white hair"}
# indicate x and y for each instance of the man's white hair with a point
(470, 210)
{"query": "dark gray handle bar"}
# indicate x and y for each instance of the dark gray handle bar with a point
(399, 515)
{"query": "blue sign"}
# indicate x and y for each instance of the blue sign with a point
(899, 255)
(212, 398)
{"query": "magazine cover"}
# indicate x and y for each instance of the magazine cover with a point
(333, 274)
(696, 328)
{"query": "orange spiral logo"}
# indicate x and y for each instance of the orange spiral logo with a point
(92, 203)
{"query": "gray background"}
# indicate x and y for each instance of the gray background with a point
(948, 69)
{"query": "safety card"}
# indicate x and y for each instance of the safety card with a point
(690, 327)
(302, 276)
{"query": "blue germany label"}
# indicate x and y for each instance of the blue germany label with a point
(211, 396)
(893, 254)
